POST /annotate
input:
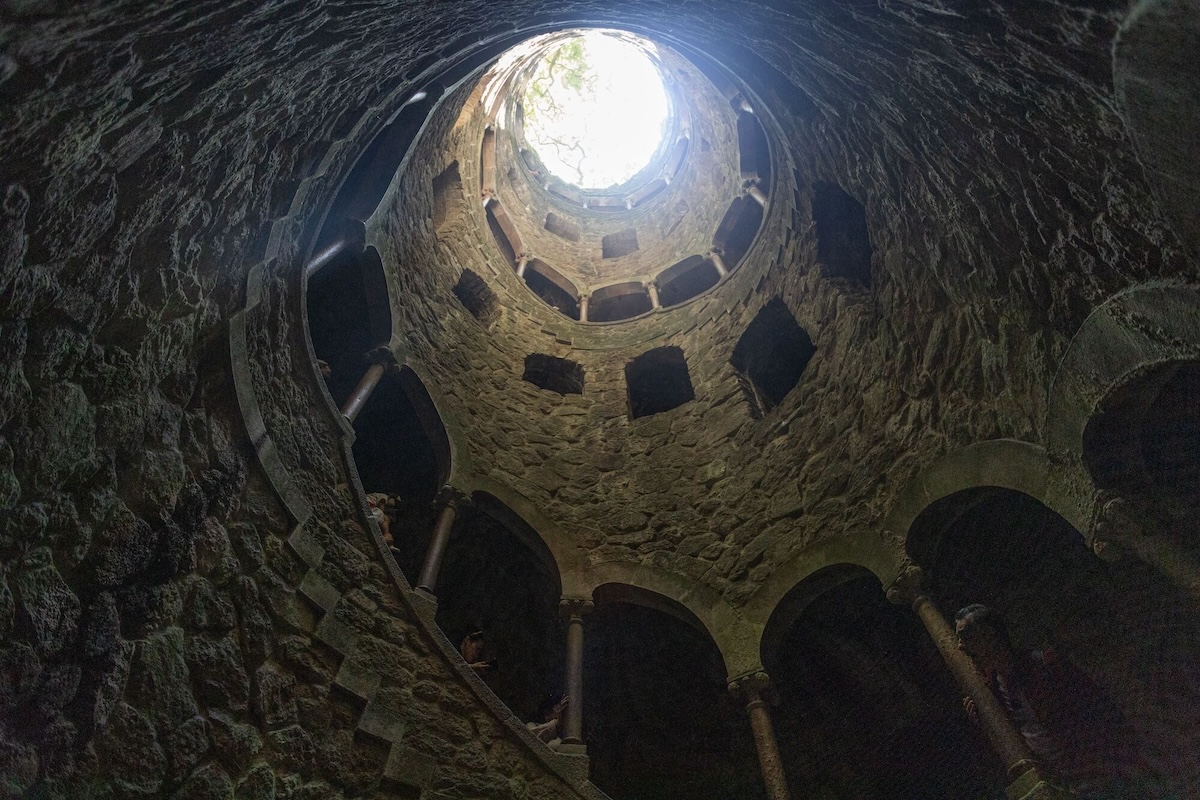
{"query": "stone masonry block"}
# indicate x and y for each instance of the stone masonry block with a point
(359, 682)
(409, 768)
(320, 591)
(382, 723)
(337, 634)
(305, 545)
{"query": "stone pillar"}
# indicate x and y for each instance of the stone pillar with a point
(522, 263)
(1117, 532)
(573, 611)
(352, 237)
(652, 290)
(452, 501)
(583, 307)
(754, 191)
(751, 688)
(719, 262)
(488, 198)
(382, 360)
(1024, 775)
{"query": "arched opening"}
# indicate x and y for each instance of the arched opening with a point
(686, 279)
(737, 230)
(1144, 444)
(401, 449)
(506, 236)
(367, 183)
(867, 708)
(498, 577)
(754, 156)
(660, 723)
(553, 288)
(1128, 631)
(348, 317)
(619, 301)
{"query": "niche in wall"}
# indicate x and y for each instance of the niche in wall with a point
(447, 196)
(556, 374)
(618, 244)
(771, 356)
(562, 227)
(477, 297)
(657, 381)
(843, 243)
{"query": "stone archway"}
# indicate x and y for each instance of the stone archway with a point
(1123, 625)
(1132, 336)
(867, 709)
(660, 723)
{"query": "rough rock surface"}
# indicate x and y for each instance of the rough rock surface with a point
(147, 152)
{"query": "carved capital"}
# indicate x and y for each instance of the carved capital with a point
(449, 496)
(908, 585)
(383, 355)
(575, 608)
(753, 686)
(1115, 521)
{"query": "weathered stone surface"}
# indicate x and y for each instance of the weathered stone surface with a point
(159, 682)
(52, 607)
(208, 609)
(274, 696)
(293, 747)
(236, 743)
(130, 752)
(259, 784)
(215, 665)
(185, 746)
(209, 782)
(152, 158)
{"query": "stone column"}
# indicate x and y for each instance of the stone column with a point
(573, 611)
(382, 360)
(719, 262)
(583, 307)
(754, 191)
(1117, 532)
(522, 263)
(352, 238)
(652, 290)
(452, 501)
(751, 688)
(1023, 773)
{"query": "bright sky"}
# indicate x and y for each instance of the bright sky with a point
(617, 120)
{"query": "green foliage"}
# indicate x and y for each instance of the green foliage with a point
(564, 72)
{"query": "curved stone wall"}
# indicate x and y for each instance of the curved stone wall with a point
(177, 616)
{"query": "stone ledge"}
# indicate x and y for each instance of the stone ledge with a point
(321, 592)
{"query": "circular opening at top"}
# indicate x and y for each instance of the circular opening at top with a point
(596, 109)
